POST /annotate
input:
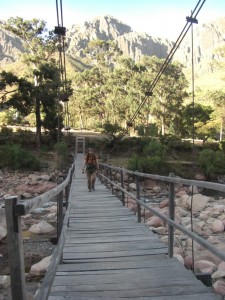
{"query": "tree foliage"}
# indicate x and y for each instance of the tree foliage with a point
(114, 88)
(39, 45)
(16, 92)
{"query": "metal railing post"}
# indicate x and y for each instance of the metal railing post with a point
(138, 197)
(106, 173)
(110, 177)
(15, 248)
(122, 185)
(101, 168)
(59, 214)
(171, 215)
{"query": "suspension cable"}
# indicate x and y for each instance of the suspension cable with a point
(61, 31)
(190, 20)
(193, 141)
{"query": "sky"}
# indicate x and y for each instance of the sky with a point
(159, 18)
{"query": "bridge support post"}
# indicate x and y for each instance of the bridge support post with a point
(15, 248)
(171, 215)
(138, 197)
(110, 177)
(122, 185)
(59, 214)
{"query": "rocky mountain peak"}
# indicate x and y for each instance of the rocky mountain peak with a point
(10, 46)
(132, 44)
(105, 27)
(207, 37)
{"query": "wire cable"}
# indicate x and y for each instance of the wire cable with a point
(60, 30)
(193, 141)
(190, 20)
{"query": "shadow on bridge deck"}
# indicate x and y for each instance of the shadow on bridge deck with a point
(108, 255)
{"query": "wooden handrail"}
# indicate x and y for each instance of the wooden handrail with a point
(14, 210)
(169, 220)
(173, 179)
(43, 292)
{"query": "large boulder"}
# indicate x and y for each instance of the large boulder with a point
(41, 267)
(199, 202)
(41, 228)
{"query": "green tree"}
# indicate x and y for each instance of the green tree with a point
(168, 95)
(197, 120)
(218, 99)
(39, 45)
(91, 90)
(16, 92)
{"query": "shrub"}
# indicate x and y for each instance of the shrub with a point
(148, 164)
(150, 130)
(155, 148)
(211, 162)
(14, 157)
(24, 137)
(61, 149)
(152, 160)
(222, 147)
(133, 163)
(206, 161)
(5, 131)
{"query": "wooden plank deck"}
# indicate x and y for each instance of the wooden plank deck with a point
(108, 255)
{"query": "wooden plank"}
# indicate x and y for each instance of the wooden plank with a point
(110, 232)
(144, 281)
(132, 293)
(116, 276)
(91, 225)
(203, 296)
(118, 265)
(113, 247)
(108, 254)
(108, 239)
(130, 286)
(118, 259)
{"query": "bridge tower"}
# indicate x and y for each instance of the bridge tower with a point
(80, 145)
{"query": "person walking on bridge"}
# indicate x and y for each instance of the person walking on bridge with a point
(91, 166)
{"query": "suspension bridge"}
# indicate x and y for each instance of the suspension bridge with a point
(103, 250)
(109, 255)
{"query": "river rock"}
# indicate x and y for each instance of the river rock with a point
(199, 202)
(164, 203)
(219, 286)
(41, 267)
(201, 265)
(179, 258)
(132, 186)
(3, 232)
(218, 274)
(5, 281)
(221, 266)
(41, 228)
(155, 222)
(217, 226)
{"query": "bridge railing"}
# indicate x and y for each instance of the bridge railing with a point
(106, 176)
(16, 208)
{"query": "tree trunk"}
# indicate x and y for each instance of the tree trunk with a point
(38, 116)
(38, 124)
(221, 130)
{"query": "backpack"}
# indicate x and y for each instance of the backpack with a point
(91, 162)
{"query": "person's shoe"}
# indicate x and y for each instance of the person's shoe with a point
(89, 190)
(93, 188)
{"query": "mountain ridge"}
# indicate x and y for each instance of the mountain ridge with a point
(207, 37)
(132, 43)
